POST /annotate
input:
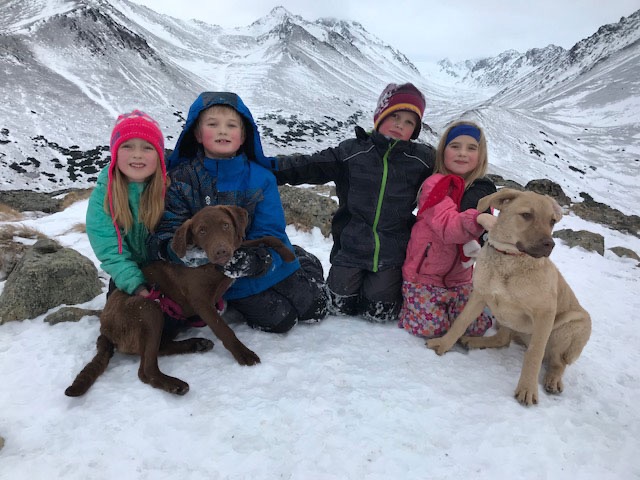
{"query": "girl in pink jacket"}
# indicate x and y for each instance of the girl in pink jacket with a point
(436, 272)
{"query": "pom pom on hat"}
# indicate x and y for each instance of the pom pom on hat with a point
(400, 97)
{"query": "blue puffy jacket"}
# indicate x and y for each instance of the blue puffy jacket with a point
(242, 181)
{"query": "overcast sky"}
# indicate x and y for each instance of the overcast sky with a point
(427, 30)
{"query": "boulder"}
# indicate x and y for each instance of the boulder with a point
(590, 241)
(548, 187)
(70, 314)
(624, 252)
(305, 208)
(48, 275)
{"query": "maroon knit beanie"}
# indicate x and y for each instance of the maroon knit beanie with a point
(400, 97)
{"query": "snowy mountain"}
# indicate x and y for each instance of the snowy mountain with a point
(497, 72)
(68, 67)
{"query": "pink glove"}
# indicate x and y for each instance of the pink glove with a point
(167, 305)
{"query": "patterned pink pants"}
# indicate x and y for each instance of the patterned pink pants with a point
(429, 311)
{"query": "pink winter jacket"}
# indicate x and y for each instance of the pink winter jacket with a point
(433, 252)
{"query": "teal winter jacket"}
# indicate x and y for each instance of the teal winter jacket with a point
(124, 268)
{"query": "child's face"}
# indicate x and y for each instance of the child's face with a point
(137, 159)
(220, 131)
(399, 125)
(461, 155)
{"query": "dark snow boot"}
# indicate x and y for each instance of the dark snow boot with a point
(380, 312)
(343, 304)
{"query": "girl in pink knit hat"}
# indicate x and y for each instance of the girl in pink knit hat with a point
(128, 201)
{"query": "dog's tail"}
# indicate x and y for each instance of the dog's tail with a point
(93, 369)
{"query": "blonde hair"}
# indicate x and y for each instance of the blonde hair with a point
(151, 201)
(483, 157)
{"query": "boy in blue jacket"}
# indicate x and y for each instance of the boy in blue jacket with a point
(218, 160)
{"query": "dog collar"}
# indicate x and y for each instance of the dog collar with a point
(515, 254)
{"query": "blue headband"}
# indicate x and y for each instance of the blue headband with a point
(463, 130)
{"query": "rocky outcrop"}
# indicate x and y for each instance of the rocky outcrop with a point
(48, 275)
(306, 209)
(70, 314)
(598, 212)
(593, 242)
(623, 252)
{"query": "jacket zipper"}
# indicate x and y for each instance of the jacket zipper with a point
(424, 257)
(383, 186)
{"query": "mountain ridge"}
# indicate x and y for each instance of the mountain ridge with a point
(71, 66)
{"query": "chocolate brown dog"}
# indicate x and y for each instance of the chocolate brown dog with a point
(529, 297)
(135, 325)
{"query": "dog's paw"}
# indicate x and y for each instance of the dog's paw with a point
(243, 355)
(471, 343)
(438, 345)
(527, 395)
(202, 345)
(553, 383)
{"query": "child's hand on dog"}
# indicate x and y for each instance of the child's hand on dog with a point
(486, 221)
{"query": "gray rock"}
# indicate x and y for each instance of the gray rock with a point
(70, 314)
(10, 254)
(29, 201)
(625, 252)
(590, 241)
(48, 275)
(501, 182)
(307, 209)
(600, 213)
(547, 187)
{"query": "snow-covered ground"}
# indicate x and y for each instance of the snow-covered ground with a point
(342, 399)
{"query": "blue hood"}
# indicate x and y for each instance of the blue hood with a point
(187, 146)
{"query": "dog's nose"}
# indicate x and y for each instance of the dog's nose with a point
(546, 246)
(222, 252)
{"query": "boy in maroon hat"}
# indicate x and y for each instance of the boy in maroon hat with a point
(377, 176)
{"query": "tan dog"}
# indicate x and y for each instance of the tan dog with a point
(525, 291)
(135, 325)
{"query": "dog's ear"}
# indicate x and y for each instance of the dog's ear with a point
(181, 239)
(240, 218)
(557, 209)
(498, 199)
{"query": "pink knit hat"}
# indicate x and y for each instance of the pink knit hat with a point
(136, 124)
(400, 97)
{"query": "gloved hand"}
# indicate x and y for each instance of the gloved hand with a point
(167, 305)
(248, 262)
(194, 257)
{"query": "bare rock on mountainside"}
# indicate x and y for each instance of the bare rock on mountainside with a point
(70, 314)
(548, 187)
(598, 212)
(590, 241)
(307, 209)
(624, 252)
(47, 276)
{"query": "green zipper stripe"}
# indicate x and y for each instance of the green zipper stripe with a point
(383, 186)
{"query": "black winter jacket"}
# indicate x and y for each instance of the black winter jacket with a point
(377, 181)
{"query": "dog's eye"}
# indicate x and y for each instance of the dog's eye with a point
(202, 231)
(226, 226)
(526, 215)
(552, 222)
